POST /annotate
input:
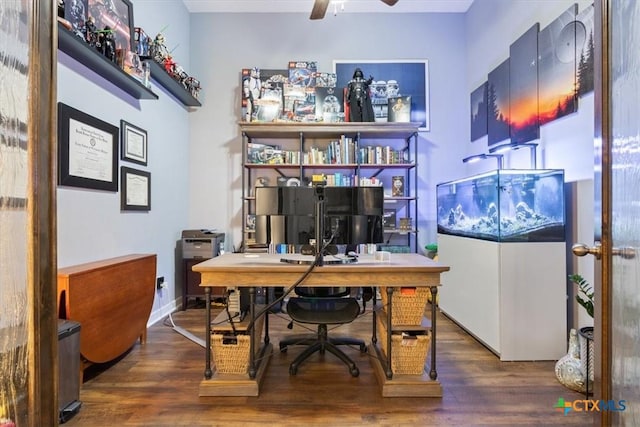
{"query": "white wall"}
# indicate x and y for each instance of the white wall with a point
(223, 44)
(90, 224)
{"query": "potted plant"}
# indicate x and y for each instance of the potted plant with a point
(585, 297)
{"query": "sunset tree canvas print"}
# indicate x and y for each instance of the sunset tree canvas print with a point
(523, 87)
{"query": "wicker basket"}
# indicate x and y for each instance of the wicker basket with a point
(408, 305)
(408, 355)
(233, 357)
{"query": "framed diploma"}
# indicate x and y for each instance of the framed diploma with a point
(87, 151)
(136, 190)
(134, 143)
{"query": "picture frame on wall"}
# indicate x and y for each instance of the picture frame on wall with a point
(87, 151)
(392, 78)
(117, 15)
(134, 143)
(135, 194)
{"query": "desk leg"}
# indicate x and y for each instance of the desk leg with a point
(207, 346)
(252, 339)
(389, 372)
(266, 317)
(433, 374)
(374, 338)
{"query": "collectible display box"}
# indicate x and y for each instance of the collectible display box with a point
(504, 206)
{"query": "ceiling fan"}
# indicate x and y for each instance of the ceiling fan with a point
(320, 7)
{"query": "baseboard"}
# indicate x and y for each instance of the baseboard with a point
(162, 312)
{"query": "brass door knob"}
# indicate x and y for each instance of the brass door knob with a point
(580, 249)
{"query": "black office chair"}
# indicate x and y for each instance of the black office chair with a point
(322, 307)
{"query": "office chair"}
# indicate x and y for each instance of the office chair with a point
(322, 307)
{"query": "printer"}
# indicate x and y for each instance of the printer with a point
(201, 244)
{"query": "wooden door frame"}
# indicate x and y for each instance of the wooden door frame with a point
(42, 287)
(603, 138)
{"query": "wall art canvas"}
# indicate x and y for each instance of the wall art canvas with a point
(479, 111)
(498, 104)
(523, 87)
(585, 50)
(391, 79)
(557, 67)
(117, 15)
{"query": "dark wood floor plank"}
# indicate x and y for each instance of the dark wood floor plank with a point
(157, 384)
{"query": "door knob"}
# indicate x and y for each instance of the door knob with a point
(580, 249)
(624, 252)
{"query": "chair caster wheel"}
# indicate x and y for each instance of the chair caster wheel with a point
(354, 372)
(283, 349)
(293, 370)
(363, 348)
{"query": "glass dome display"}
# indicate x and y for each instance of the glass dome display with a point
(504, 206)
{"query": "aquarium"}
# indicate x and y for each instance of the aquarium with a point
(504, 206)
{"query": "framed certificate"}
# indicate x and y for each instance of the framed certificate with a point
(136, 190)
(87, 151)
(134, 143)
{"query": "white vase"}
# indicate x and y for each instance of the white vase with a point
(569, 368)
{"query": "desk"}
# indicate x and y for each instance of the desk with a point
(266, 270)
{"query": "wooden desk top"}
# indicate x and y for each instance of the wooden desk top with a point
(267, 270)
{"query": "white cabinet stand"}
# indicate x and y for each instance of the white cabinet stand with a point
(510, 296)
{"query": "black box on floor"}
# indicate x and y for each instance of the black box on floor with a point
(68, 369)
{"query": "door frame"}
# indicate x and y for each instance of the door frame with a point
(603, 142)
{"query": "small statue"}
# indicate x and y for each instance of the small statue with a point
(158, 49)
(169, 64)
(91, 33)
(193, 86)
(108, 43)
(359, 98)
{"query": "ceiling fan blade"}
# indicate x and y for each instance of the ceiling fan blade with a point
(390, 2)
(319, 9)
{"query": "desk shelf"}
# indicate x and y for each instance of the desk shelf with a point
(92, 59)
(172, 86)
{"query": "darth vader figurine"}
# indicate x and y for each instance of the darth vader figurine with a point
(359, 98)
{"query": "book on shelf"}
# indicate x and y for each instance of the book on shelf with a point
(389, 218)
(397, 186)
(399, 109)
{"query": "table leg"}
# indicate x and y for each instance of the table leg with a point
(266, 318)
(389, 372)
(374, 338)
(207, 346)
(433, 374)
(252, 339)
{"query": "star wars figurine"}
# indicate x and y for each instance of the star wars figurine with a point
(359, 98)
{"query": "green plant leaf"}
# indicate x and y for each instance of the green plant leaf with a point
(586, 290)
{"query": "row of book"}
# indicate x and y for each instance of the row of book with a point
(341, 152)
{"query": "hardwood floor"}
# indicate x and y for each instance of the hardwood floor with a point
(157, 384)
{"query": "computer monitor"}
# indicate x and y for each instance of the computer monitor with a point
(352, 215)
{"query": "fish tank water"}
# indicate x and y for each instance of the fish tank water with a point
(505, 205)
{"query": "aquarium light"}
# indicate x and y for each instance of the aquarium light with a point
(477, 157)
(515, 146)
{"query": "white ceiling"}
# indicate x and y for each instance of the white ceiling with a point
(350, 6)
